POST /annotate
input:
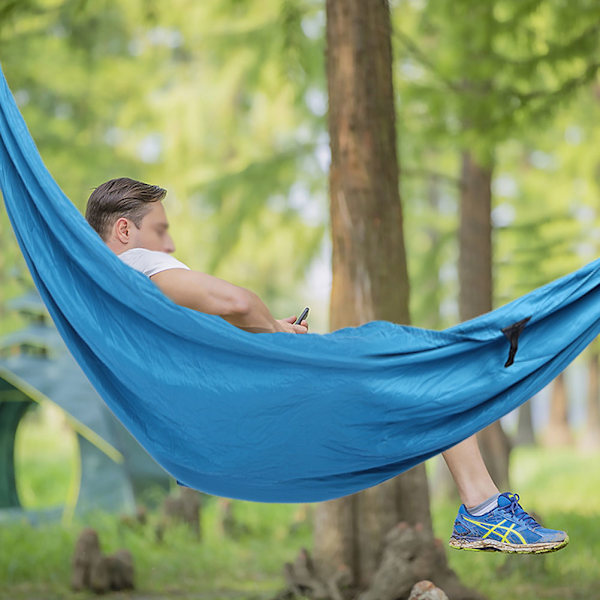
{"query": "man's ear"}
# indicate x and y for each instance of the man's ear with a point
(121, 229)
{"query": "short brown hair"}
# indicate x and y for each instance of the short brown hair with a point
(122, 197)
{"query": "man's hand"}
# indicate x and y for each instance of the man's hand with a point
(288, 325)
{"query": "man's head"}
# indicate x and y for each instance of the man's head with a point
(129, 214)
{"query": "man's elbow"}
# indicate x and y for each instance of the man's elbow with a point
(239, 303)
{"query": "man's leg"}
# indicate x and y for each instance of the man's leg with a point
(469, 472)
(488, 520)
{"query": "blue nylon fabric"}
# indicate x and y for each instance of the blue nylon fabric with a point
(276, 417)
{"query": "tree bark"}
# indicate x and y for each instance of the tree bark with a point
(370, 279)
(590, 440)
(368, 257)
(558, 434)
(475, 280)
(525, 434)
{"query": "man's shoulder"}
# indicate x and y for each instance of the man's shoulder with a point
(141, 252)
(150, 262)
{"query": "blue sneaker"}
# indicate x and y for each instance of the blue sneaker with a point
(506, 528)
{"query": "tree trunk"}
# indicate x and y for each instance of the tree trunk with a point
(590, 440)
(475, 279)
(370, 281)
(525, 434)
(558, 434)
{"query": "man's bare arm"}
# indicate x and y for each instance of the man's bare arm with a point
(215, 296)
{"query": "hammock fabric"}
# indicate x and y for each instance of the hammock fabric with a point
(278, 417)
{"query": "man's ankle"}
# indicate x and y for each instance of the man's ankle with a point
(484, 507)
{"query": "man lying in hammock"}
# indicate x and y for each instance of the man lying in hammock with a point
(130, 217)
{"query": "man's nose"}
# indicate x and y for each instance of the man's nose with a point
(169, 245)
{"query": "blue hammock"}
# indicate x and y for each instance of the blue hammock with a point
(278, 417)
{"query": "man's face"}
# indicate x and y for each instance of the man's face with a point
(153, 233)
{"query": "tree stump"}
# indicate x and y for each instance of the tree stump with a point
(93, 571)
(230, 526)
(120, 567)
(425, 590)
(409, 564)
(302, 579)
(409, 557)
(183, 508)
(87, 552)
(100, 575)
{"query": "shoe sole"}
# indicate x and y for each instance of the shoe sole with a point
(488, 545)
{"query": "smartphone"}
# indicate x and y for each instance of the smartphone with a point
(302, 316)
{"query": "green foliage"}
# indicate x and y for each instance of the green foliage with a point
(224, 104)
(241, 140)
(509, 81)
(215, 109)
(489, 69)
(547, 185)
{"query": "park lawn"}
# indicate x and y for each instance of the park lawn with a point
(563, 487)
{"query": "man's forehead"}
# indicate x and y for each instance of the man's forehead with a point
(157, 214)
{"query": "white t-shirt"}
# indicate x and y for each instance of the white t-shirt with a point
(150, 262)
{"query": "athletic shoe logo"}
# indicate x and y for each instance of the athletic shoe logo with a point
(496, 530)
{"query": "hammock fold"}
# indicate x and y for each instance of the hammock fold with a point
(277, 417)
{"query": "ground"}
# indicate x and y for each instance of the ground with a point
(561, 486)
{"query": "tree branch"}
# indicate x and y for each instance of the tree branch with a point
(554, 52)
(428, 174)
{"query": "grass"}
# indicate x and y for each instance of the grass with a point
(563, 487)
(38, 563)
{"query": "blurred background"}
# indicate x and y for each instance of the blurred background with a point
(224, 103)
